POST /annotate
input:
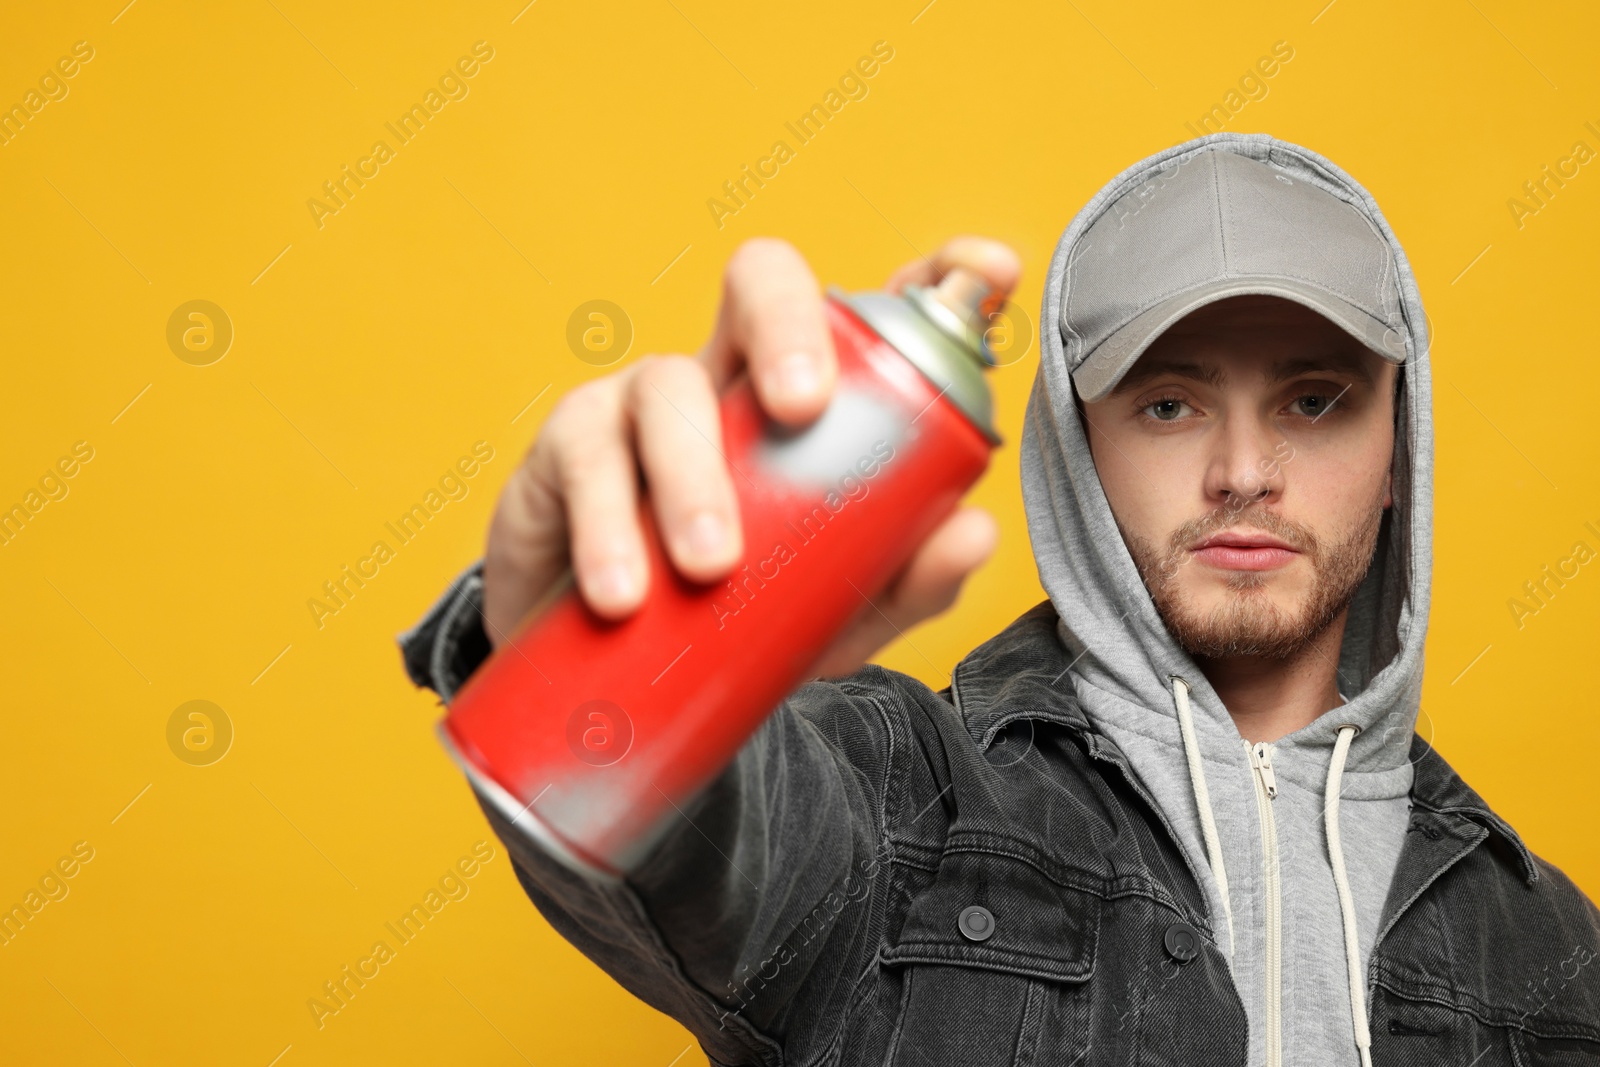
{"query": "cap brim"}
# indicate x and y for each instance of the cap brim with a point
(1099, 374)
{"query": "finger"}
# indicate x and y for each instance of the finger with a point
(772, 321)
(526, 551)
(678, 427)
(995, 262)
(927, 586)
(590, 464)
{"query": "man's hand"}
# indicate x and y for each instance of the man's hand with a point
(575, 496)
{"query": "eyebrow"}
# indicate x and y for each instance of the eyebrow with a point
(1210, 373)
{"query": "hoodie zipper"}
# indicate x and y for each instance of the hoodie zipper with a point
(1266, 789)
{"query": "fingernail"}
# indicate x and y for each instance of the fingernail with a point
(708, 534)
(797, 374)
(614, 582)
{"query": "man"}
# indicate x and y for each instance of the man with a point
(1177, 813)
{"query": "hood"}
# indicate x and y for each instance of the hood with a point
(1126, 666)
(1106, 613)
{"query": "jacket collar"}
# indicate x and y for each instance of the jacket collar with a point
(1021, 673)
(1438, 788)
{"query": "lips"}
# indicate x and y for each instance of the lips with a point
(1244, 550)
(1243, 539)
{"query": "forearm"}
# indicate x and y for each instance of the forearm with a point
(759, 881)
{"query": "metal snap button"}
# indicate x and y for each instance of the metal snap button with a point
(976, 923)
(1182, 942)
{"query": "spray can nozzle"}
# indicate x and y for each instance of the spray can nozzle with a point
(960, 305)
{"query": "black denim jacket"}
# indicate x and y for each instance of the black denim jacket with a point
(890, 875)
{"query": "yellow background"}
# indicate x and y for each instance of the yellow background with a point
(371, 353)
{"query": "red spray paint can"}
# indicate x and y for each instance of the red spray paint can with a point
(591, 735)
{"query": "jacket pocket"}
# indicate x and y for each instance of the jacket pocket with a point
(1425, 1033)
(993, 963)
(1534, 1051)
(1421, 1033)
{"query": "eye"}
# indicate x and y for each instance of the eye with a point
(1313, 405)
(1166, 409)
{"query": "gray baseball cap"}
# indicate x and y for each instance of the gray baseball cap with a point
(1221, 224)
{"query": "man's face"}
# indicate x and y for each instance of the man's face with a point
(1246, 459)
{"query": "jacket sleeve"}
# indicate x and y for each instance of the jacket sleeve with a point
(769, 882)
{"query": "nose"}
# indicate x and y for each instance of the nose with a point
(1246, 463)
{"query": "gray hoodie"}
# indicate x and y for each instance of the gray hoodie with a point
(1290, 955)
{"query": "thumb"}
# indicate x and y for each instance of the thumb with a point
(925, 587)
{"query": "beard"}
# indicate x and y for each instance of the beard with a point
(1247, 622)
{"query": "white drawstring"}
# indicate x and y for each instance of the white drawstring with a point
(1341, 879)
(1202, 799)
(1347, 908)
